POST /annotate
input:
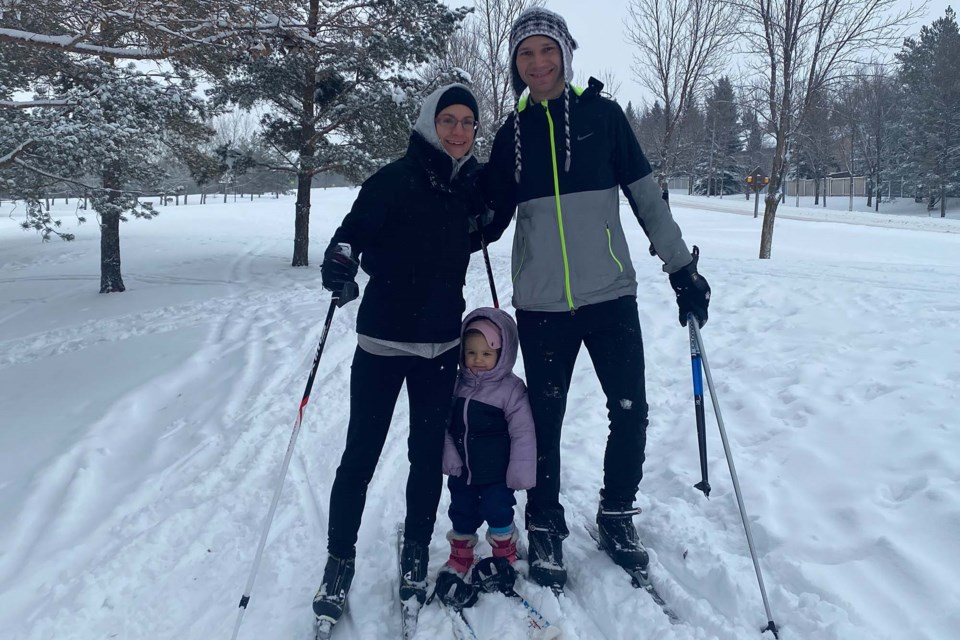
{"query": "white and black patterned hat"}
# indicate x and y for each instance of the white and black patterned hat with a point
(537, 21)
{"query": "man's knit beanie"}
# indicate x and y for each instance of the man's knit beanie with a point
(537, 21)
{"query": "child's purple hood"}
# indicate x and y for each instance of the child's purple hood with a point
(508, 337)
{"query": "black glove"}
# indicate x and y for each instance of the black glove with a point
(338, 268)
(477, 221)
(453, 591)
(693, 292)
(494, 574)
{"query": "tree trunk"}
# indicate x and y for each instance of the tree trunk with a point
(301, 228)
(766, 234)
(301, 225)
(943, 200)
(111, 281)
(774, 188)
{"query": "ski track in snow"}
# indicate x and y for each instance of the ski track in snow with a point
(148, 430)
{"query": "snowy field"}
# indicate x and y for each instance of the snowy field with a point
(142, 433)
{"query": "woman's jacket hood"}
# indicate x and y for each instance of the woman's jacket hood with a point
(427, 128)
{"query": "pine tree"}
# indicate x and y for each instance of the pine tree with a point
(692, 143)
(649, 129)
(340, 88)
(92, 122)
(119, 126)
(928, 72)
(724, 130)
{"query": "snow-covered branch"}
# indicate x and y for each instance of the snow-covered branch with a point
(32, 104)
(11, 156)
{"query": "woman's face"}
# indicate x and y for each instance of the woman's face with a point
(456, 129)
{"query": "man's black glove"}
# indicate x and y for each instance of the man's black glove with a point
(693, 292)
(338, 268)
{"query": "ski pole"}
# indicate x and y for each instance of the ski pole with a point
(695, 331)
(486, 260)
(697, 366)
(350, 291)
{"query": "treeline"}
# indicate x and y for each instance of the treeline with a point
(116, 101)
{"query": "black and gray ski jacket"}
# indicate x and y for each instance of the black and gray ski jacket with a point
(569, 248)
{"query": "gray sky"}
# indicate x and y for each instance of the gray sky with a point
(597, 26)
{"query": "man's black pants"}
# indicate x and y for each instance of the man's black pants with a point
(550, 342)
(375, 383)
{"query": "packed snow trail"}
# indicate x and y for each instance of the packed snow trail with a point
(143, 433)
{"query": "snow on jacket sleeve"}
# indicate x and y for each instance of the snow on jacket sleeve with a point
(452, 463)
(498, 184)
(368, 213)
(636, 179)
(522, 469)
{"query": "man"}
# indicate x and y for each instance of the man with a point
(561, 159)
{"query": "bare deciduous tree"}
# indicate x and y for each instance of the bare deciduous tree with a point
(607, 76)
(802, 46)
(680, 45)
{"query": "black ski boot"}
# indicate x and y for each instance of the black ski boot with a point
(413, 571)
(618, 536)
(331, 598)
(546, 559)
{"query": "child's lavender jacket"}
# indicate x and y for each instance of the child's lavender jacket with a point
(491, 436)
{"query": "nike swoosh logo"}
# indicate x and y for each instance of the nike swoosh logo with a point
(584, 137)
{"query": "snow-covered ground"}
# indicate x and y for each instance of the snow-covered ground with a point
(142, 433)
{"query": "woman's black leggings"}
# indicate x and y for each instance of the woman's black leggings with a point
(375, 383)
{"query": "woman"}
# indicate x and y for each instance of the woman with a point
(409, 230)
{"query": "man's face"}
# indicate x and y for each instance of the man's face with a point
(540, 63)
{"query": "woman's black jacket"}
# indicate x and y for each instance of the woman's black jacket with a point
(410, 226)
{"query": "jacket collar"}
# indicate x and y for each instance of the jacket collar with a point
(589, 92)
(437, 163)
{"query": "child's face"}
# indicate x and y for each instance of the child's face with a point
(478, 355)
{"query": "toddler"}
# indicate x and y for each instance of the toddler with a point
(490, 447)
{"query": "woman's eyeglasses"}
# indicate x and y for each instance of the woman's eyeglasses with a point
(449, 123)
